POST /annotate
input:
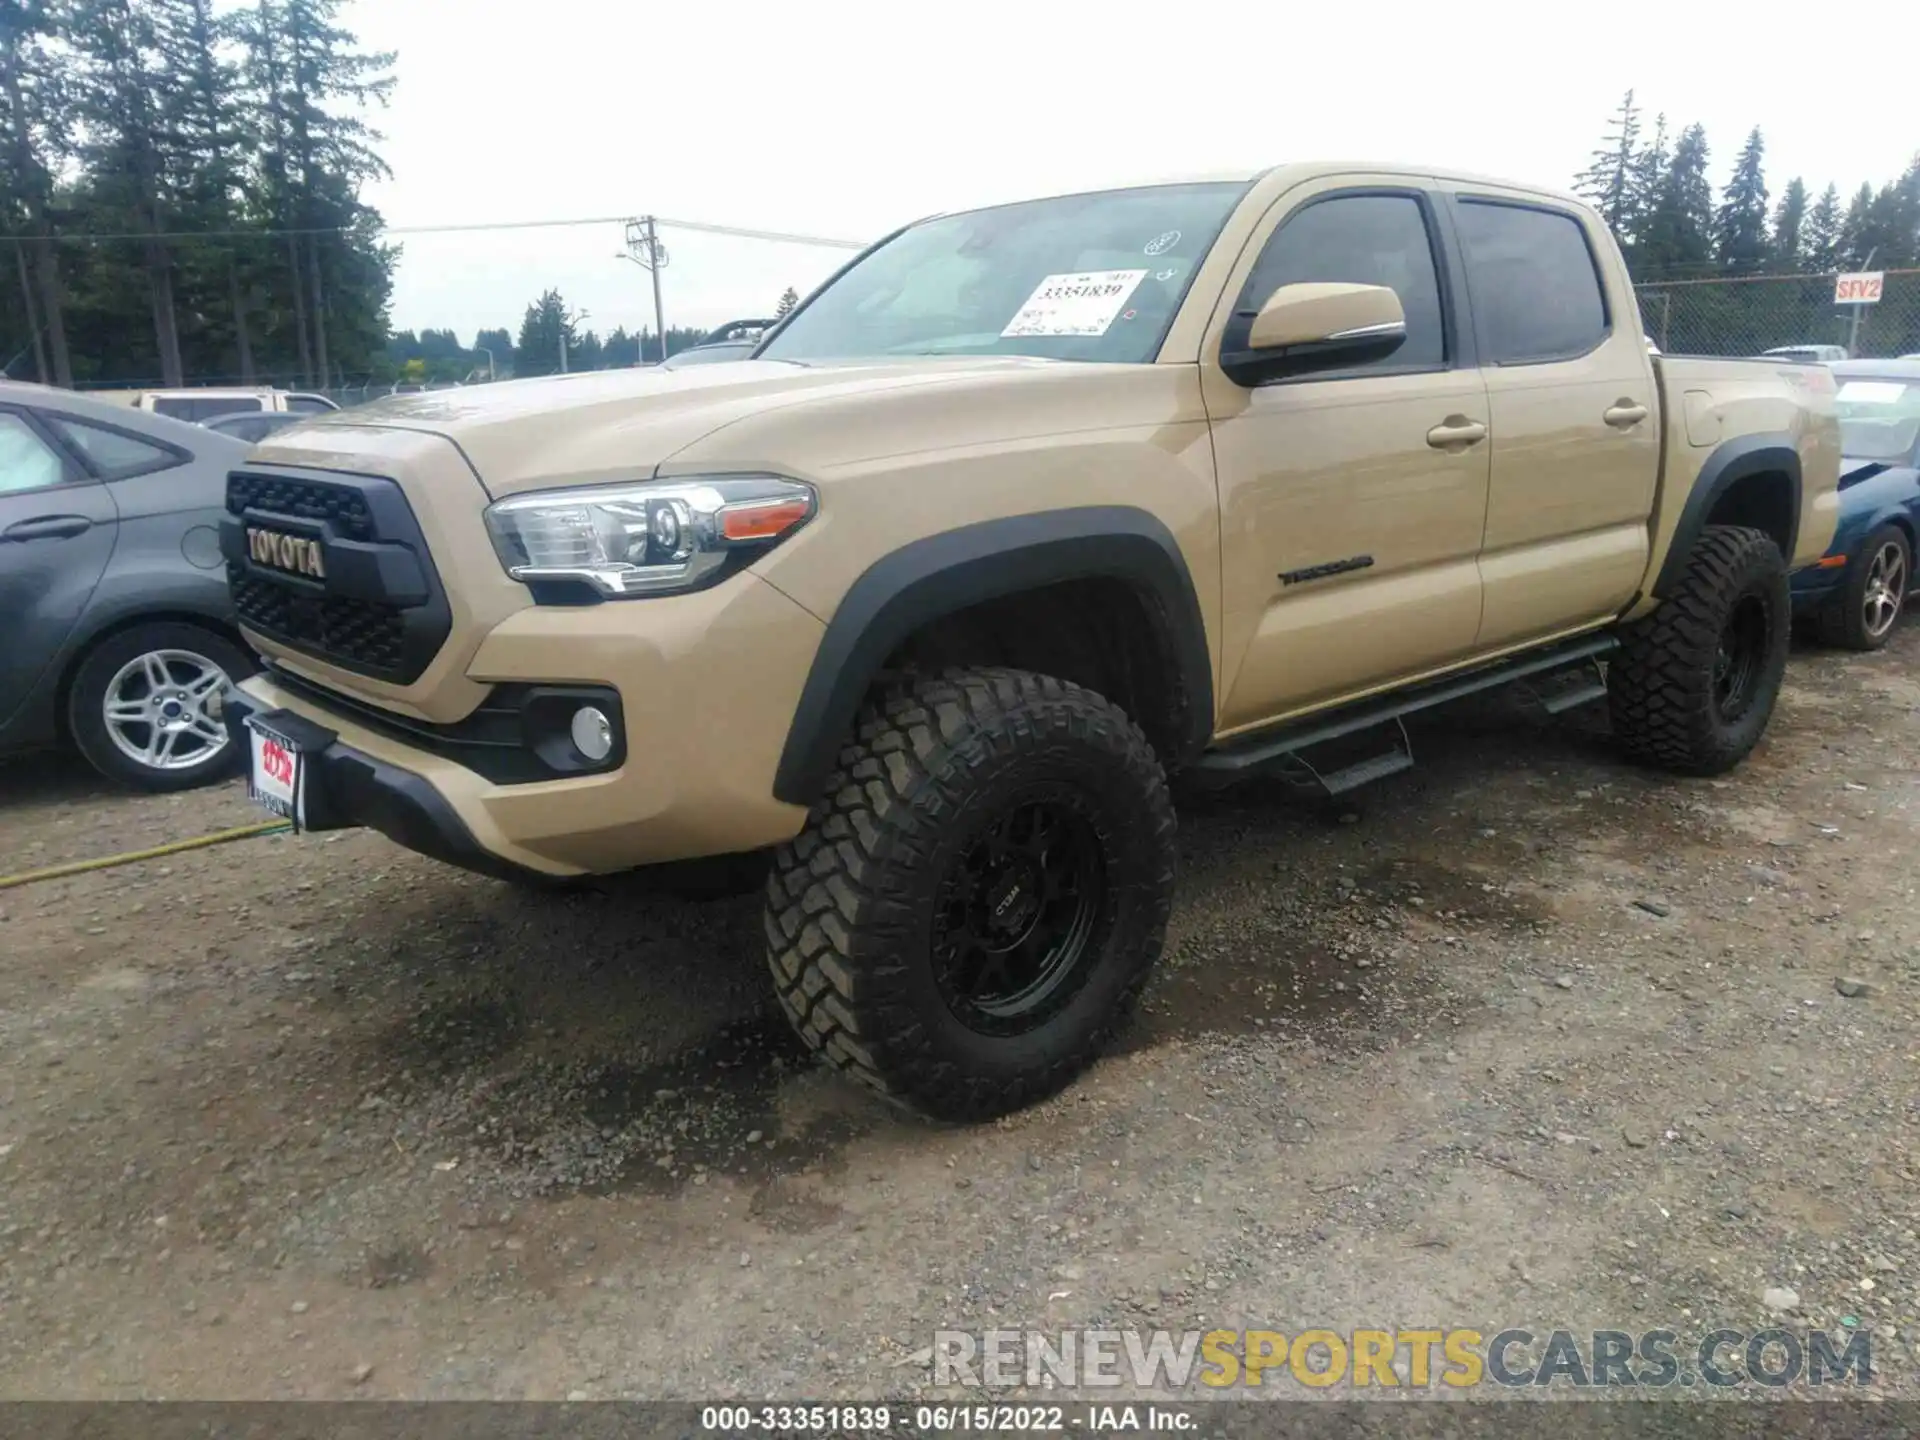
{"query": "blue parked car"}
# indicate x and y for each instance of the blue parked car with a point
(1855, 593)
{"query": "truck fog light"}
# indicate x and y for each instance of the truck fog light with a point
(592, 733)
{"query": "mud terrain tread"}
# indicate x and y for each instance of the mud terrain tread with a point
(844, 899)
(1659, 681)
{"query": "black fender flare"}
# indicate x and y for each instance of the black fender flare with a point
(1731, 462)
(951, 571)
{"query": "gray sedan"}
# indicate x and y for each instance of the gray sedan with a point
(118, 627)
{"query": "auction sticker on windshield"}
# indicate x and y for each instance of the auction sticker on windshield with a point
(1082, 304)
(273, 779)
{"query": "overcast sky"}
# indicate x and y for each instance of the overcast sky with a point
(842, 119)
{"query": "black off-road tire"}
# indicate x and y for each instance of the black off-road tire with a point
(855, 902)
(1665, 683)
(1843, 621)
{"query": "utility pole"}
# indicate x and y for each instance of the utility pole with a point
(567, 322)
(646, 251)
(1859, 311)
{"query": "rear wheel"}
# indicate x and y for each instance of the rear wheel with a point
(1863, 614)
(1693, 685)
(974, 906)
(138, 706)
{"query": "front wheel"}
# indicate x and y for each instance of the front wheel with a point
(1863, 614)
(1694, 683)
(139, 706)
(974, 906)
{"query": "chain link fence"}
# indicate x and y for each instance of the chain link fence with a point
(1752, 314)
(347, 396)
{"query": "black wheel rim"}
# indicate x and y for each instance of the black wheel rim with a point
(1740, 658)
(1013, 926)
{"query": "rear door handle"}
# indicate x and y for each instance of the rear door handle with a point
(48, 527)
(1456, 432)
(1624, 414)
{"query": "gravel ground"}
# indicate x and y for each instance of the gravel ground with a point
(1523, 1037)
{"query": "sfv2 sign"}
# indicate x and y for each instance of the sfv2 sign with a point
(1861, 288)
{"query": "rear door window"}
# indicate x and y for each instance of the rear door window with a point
(1533, 281)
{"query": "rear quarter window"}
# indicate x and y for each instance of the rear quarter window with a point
(207, 408)
(114, 454)
(1533, 281)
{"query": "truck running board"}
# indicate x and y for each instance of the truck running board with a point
(1581, 685)
(1283, 750)
(1299, 768)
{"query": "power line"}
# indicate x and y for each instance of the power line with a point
(705, 227)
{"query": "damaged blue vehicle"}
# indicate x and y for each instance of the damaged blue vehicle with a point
(1853, 596)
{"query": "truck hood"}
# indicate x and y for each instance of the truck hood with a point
(611, 425)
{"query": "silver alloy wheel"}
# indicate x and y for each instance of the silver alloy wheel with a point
(156, 710)
(1886, 589)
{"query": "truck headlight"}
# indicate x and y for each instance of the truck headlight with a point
(657, 537)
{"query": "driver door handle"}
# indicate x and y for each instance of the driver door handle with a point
(1624, 414)
(48, 527)
(1456, 431)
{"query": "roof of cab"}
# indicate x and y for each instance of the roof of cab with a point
(1302, 169)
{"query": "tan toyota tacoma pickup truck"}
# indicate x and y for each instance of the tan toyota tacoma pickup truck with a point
(1023, 510)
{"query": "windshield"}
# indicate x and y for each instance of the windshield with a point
(1879, 419)
(1078, 277)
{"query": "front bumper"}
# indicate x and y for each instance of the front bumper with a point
(1813, 586)
(343, 787)
(706, 683)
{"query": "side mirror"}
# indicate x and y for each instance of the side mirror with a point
(1303, 328)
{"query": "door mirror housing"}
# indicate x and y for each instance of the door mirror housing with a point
(1304, 328)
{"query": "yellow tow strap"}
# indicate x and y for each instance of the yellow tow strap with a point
(80, 867)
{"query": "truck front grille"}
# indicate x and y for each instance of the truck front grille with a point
(378, 609)
(361, 634)
(338, 505)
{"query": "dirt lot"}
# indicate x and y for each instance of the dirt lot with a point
(1524, 1037)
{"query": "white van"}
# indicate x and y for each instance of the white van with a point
(204, 404)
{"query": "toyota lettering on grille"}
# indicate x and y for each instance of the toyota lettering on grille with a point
(294, 554)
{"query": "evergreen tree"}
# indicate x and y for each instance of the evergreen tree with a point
(1892, 228)
(500, 344)
(1789, 229)
(308, 85)
(621, 349)
(330, 149)
(1609, 180)
(789, 298)
(1679, 227)
(1740, 224)
(1855, 242)
(203, 148)
(35, 136)
(122, 95)
(545, 328)
(1649, 174)
(1823, 232)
